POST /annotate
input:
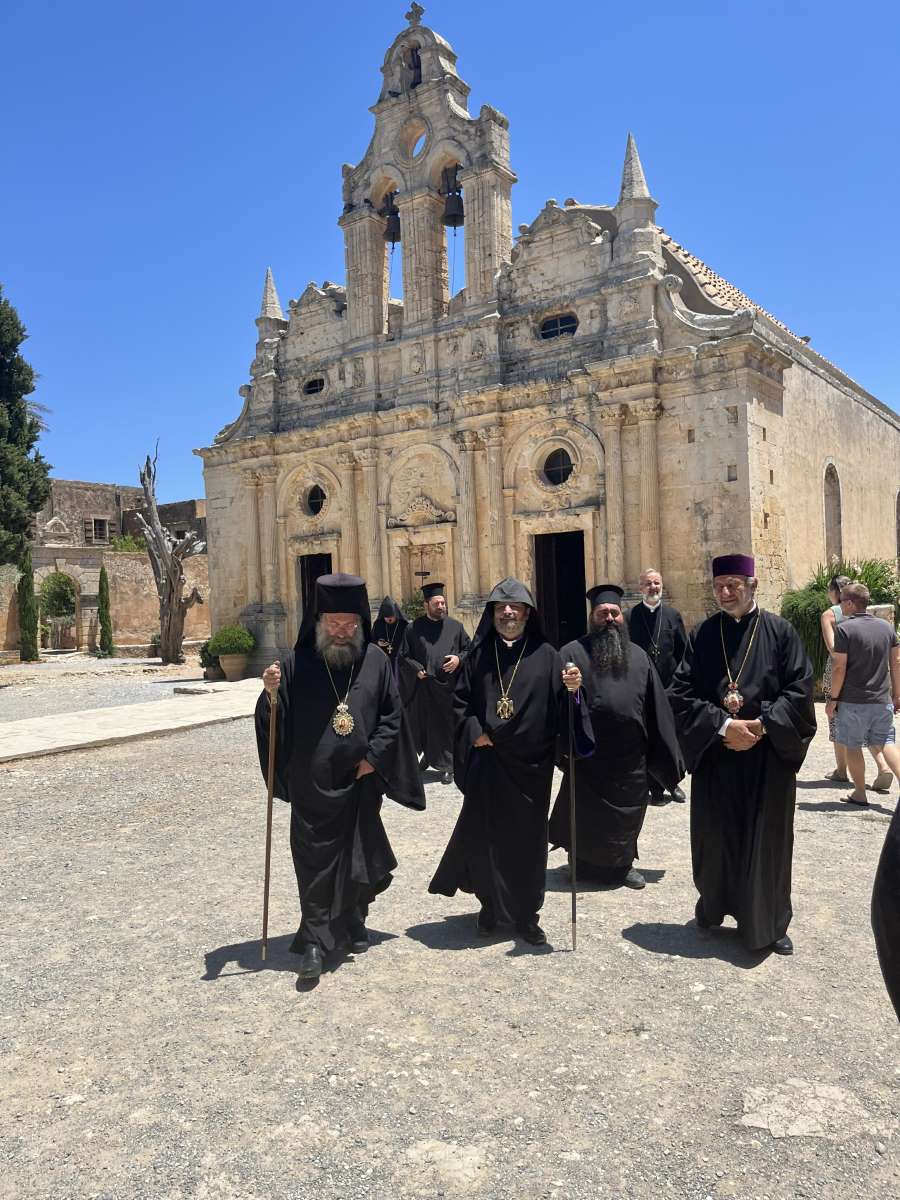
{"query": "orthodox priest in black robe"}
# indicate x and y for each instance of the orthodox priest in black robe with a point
(510, 704)
(634, 741)
(886, 911)
(389, 634)
(743, 704)
(338, 726)
(659, 630)
(436, 647)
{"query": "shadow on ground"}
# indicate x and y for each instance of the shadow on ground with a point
(687, 941)
(835, 806)
(457, 932)
(558, 880)
(246, 957)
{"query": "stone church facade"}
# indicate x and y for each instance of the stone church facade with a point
(594, 400)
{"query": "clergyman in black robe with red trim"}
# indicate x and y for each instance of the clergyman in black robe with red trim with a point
(510, 704)
(634, 743)
(335, 772)
(743, 704)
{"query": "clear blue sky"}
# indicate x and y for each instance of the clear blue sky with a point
(158, 157)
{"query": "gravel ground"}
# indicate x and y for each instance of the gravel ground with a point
(71, 683)
(147, 1055)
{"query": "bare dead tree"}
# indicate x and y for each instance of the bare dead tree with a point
(167, 558)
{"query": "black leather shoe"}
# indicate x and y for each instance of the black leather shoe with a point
(446, 777)
(784, 945)
(634, 879)
(310, 962)
(657, 799)
(359, 938)
(531, 932)
(485, 922)
(423, 766)
(679, 795)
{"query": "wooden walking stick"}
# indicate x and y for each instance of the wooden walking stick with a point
(572, 878)
(270, 782)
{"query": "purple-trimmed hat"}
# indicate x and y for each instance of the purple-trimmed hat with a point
(734, 564)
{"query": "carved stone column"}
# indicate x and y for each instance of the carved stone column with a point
(488, 228)
(251, 482)
(647, 414)
(466, 442)
(601, 567)
(286, 588)
(371, 546)
(349, 536)
(509, 528)
(493, 443)
(364, 254)
(611, 418)
(268, 545)
(425, 290)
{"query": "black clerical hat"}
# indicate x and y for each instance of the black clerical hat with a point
(605, 593)
(336, 593)
(433, 589)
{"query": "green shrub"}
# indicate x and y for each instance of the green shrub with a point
(28, 613)
(128, 543)
(414, 607)
(106, 647)
(207, 659)
(58, 596)
(804, 607)
(231, 639)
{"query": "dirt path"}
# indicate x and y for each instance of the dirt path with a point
(145, 1055)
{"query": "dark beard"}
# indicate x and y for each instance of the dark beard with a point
(610, 647)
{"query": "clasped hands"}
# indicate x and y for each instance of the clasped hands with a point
(448, 666)
(743, 735)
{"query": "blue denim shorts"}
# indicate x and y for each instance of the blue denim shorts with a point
(857, 725)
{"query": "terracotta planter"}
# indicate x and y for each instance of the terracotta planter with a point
(234, 666)
(213, 673)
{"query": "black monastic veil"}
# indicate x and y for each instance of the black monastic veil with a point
(742, 802)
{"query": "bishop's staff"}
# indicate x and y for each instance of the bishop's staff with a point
(570, 666)
(270, 782)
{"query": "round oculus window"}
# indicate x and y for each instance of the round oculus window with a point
(315, 499)
(557, 467)
(313, 386)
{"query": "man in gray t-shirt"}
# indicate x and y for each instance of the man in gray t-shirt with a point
(865, 688)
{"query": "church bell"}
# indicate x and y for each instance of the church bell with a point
(392, 228)
(454, 214)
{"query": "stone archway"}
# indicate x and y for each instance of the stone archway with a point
(834, 542)
(85, 637)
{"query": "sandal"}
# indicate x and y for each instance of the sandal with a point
(882, 782)
(853, 800)
(836, 777)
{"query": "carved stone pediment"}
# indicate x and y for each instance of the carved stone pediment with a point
(421, 511)
(56, 533)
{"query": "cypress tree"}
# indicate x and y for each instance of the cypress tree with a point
(106, 638)
(24, 485)
(28, 613)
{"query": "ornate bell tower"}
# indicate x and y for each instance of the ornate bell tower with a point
(429, 165)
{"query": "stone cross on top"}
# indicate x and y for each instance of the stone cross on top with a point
(414, 16)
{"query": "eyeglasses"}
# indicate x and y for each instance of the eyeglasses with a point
(344, 626)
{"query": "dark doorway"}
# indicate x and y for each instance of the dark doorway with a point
(309, 568)
(559, 584)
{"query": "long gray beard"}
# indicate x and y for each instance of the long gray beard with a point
(610, 647)
(339, 657)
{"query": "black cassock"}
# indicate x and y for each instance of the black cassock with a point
(393, 637)
(742, 802)
(634, 734)
(498, 849)
(661, 634)
(886, 910)
(342, 856)
(429, 701)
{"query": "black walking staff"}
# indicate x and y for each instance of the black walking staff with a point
(570, 666)
(270, 787)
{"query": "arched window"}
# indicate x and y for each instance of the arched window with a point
(557, 467)
(563, 325)
(833, 535)
(313, 386)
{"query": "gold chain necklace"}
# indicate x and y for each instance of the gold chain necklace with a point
(657, 621)
(733, 701)
(505, 706)
(342, 722)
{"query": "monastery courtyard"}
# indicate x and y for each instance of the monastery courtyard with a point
(147, 1055)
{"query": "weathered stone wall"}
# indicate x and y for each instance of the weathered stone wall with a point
(61, 522)
(134, 607)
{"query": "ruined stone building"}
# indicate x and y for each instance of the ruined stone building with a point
(593, 400)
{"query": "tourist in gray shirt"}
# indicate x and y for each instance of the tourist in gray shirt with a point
(865, 687)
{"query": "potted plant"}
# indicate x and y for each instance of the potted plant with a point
(209, 663)
(231, 645)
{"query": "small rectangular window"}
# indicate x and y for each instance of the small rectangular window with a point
(771, 476)
(764, 432)
(732, 413)
(765, 520)
(690, 435)
(731, 474)
(101, 530)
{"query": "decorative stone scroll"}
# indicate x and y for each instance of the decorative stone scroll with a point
(421, 511)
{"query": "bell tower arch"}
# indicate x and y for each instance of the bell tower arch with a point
(444, 168)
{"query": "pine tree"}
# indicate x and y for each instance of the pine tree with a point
(24, 485)
(106, 637)
(28, 613)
